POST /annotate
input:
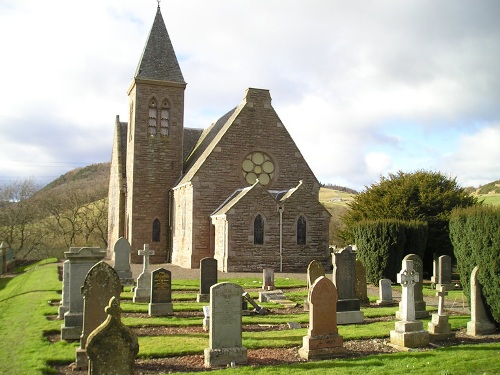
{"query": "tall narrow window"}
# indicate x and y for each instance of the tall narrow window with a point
(301, 230)
(258, 230)
(156, 231)
(153, 109)
(164, 118)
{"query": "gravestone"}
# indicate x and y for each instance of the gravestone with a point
(420, 309)
(361, 288)
(435, 269)
(444, 274)
(81, 260)
(161, 293)
(344, 278)
(322, 340)
(3, 251)
(112, 347)
(385, 292)
(268, 279)
(206, 318)
(479, 324)
(409, 332)
(121, 255)
(64, 306)
(142, 292)
(439, 328)
(208, 277)
(225, 343)
(101, 283)
(314, 270)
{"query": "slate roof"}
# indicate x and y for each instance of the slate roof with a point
(158, 60)
(207, 141)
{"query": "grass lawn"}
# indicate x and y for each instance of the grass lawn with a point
(29, 301)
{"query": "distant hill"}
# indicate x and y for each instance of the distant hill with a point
(491, 188)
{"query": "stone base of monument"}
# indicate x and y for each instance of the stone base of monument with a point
(141, 295)
(409, 334)
(72, 327)
(321, 347)
(225, 356)
(161, 309)
(386, 303)
(62, 310)
(82, 361)
(420, 311)
(202, 297)
(350, 317)
(439, 328)
(480, 328)
(276, 296)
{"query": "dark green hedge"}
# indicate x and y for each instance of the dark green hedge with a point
(475, 235)
(382, 245)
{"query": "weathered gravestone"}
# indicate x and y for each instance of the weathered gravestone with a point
(444, 275)
(161, 293)
(385, 292)
(344, 278)
(142, 292)
(225, 343)
(420, 310)
(322, 340)
(112, 347)
(121, 255)
(268, 279)
(208, 277)
(314, 271)
(101, 283)
(3, 252)
(64, 306)
(479, 324)
(81, 260)
(409, 332)
(435, 269)
(439, 328)
(361, 288)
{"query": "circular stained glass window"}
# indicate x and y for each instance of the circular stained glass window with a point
(258, 165)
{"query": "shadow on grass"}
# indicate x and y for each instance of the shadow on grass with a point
(30, 292)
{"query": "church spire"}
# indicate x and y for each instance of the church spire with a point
(158, 60)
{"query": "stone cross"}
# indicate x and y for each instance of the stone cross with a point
(441, 293)
(407, 278)
(146, 253)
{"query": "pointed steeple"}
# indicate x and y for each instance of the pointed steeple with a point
(158, 60)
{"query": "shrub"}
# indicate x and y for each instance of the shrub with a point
(382, 244)
(475, 234)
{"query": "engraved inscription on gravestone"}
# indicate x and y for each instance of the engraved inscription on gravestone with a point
(161, 291)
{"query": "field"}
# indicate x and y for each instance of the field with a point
(29, 301)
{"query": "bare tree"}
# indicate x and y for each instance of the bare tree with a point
(19, 215)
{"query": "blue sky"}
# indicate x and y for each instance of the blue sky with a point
(365, 88)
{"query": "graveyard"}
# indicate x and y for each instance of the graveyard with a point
(273, 340)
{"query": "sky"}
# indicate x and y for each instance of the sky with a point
(365, 88)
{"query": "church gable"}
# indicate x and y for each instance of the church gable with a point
(249, 143)
(250, 218)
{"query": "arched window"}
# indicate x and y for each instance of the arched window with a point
(258, 230)
(301, 230)
(153, 109)
(156, 231)
(164, 118)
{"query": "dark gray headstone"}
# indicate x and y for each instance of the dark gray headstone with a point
(208, 274)
(161, 286)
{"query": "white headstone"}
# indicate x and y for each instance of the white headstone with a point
(479, 324)
(225, 342)
(142, 292)
(121, 252)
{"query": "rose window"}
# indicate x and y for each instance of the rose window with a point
(258, 165)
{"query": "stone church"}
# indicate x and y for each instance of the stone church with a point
(239, 191)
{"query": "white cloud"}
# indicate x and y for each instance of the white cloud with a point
(339, 72)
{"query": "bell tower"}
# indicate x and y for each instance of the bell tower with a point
(153, 144)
